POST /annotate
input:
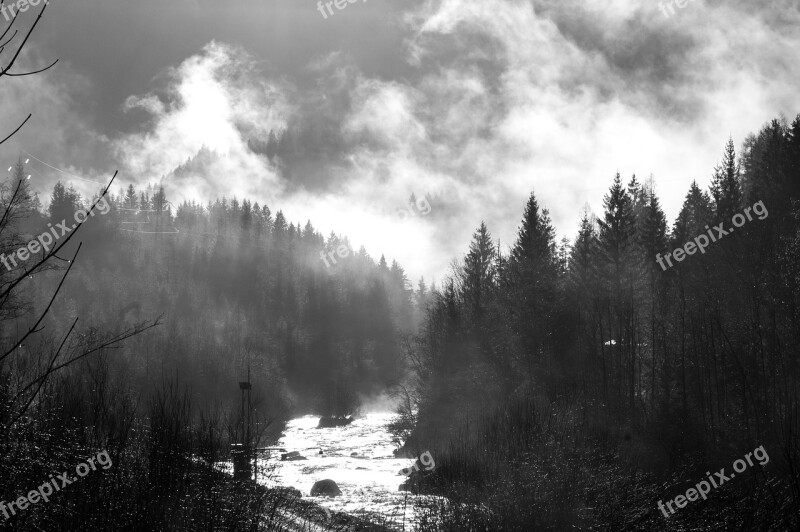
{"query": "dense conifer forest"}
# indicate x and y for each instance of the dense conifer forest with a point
(578, 383)
(227, 292)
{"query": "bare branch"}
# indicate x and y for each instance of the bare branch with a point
(25, 40)
(42, 379)
(34, 72)
(46, 310)
(124, 335)
(7, 290)
(18, 128)
(10, 204)
(10, 24)
(2, 46)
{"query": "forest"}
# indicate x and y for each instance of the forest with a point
(577, 384)
(558, 383)
(220, 293)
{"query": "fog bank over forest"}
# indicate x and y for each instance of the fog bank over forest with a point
(474, 102)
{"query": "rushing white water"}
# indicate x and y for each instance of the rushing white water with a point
(369, 480)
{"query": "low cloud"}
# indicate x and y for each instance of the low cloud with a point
(493, 99)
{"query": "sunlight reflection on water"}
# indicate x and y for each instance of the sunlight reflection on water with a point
(368, 481)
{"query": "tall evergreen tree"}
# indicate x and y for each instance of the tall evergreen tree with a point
(279, 228)
(532, 278)
(535, 238)
(584, 257)
(267, 217)
(725, 186)
(130, 197)
(639, 199)
(653, 236)
(477, 275)
(617, 230)
(63, 203)
(697, 212)
(621, 265)
(653, 242)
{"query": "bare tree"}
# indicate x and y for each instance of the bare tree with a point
(17, 404)
(15, 53)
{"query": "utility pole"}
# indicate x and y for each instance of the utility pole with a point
(242, 467)
(249, 420)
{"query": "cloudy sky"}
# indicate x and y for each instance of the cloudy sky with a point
(476, 102)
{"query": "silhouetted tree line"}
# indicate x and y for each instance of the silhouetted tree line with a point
(574, 386)
(239, 286)
(315, 138)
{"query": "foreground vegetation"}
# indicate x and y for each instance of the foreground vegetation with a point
(164, 473)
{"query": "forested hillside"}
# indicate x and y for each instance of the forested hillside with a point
(134, 336)
(567, 387)
(236, 286)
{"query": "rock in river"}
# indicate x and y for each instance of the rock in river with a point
(325, 488)
(292, 456)
(327, 422)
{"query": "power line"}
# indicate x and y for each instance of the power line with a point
(60, 170)
(175, 232)
(181, 232)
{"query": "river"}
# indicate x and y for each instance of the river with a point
(358, 457)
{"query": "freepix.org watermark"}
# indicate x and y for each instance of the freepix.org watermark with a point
(419, 207)
(702, 241)
(343, 251)
(703, 488)
(10, 10)
(53, 485)
(45, 240)
(340, 4)
(425, 459)
(669, 8)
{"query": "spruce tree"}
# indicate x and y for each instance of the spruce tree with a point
(617, 230)
(584, 257)
(532, 278)
(477, 275)
(266, 215)
(653, 243)
(130, 197)
(535, 238)
(63, 203)
(653, 235)
(280, 228)
(621, 265)
(725, 186)
(695, 214)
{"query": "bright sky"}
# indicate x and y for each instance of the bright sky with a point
(477, 102)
